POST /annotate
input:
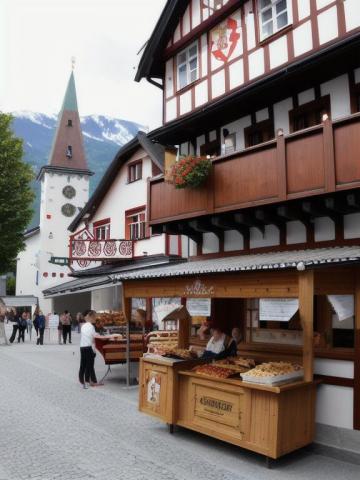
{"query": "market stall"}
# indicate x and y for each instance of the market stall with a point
(253, 413)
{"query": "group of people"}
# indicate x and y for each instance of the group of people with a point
(22, 323)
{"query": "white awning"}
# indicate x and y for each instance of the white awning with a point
(19, 301)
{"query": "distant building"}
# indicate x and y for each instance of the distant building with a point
(64, 192)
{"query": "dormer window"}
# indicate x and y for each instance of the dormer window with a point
(69, 124)
(187, 66)
(69, 151)
(273, 16)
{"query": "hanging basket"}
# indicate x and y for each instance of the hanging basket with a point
(190, 172)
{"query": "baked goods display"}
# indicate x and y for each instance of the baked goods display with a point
(159, 341)
(175, 352)
(211, 370)
(273, 372)
(236, 364)
(109, 318)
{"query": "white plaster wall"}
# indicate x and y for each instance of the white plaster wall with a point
(271, 237)
(218, 84)
(322, 3)
(210, 243)
(153, 245)
(236, 73)
(306, 96)
(352, 14)
(256, 63)
(278, 52)
(233, 240)
(302, 37)
(173, 244)
(237, 127)
(201, 93)
(250, 24)
(327, 25)
(262, 115)
(212, 135)
(352, 225)
(204, 55)
(338, 89)
(281, 115)
(335, 406)
(27, 268)
(171, 110)
(186, 22)
(324, 229)
(185, 102)
(169, 78)
(303, 8)
(196, 13)
(334, 368)
(295, 232)
(199, 142)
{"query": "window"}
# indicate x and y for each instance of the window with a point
(309, 114)
(135, 224)
(273, 16)
(187, 66)
(101, 229)
(229, 143)
(69, 151)
(69, 124)
(134, 172)
(259, 133)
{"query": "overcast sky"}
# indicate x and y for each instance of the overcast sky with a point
(39, 37)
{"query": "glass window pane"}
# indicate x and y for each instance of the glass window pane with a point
(265, 16)
(193, 51)
(282, 20)
(193, 64)
(267, 29)
(281, 6)
(193, 76)
(265, 3)
(182, 76)
(182, 57)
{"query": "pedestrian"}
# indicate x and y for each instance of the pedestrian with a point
(22, 327)
(87, 351)
(79, 320)
(41, 325)
(59, 328)
(29, 326)
(14, 319)
(66, 326)
(3, 316)
(36, 313)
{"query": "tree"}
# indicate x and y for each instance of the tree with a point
(16, 196)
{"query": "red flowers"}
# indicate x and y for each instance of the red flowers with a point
(190, 172)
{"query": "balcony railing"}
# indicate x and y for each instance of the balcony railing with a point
(98, 250)
(318, 160)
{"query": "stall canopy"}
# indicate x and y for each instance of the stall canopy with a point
(79, 285)
(266, 261)
(19, 301)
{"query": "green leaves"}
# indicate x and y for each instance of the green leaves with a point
(190, 172)
(16, 195)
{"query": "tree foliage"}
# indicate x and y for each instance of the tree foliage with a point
(16, 196)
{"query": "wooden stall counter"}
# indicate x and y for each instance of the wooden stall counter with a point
(270, 420)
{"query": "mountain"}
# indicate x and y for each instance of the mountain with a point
(103, 136)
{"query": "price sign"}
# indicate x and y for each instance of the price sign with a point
(199, 307)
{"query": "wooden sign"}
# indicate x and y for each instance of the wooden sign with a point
(198, 288)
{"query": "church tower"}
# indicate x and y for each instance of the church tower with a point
(64, 192)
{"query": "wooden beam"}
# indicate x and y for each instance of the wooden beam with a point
(306, 310)
(249, 221)
(226, 222)
(205, 226)
(357, 353)
(270, 217)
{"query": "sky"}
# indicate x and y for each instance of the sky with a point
(39, 37)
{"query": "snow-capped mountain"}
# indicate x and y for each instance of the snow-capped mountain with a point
(103, 136)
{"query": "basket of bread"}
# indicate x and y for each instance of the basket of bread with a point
(272, 373)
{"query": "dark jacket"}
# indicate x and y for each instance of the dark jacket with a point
(230, 350)
(40, 321)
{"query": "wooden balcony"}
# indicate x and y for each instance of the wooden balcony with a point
(316, 161)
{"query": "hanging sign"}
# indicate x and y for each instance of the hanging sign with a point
(199, 307)
(277, 309)
(198, 288)
(343, 305)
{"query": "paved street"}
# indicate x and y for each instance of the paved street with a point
(53, 429)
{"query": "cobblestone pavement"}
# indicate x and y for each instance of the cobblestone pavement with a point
(53, 429)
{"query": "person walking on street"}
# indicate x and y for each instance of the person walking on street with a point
(22, 327)
(36, 313)
(41, 325)
(70, 325)
(66, 325)
(87, 351)
(14, 319)
(2, 324)
(60, 330)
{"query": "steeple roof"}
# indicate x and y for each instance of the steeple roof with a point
(70, 100)
(68, 147)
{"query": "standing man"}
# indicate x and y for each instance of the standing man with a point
(14, 319)
(87, 351)
(22, 327)
(41, 321)
(66, 326)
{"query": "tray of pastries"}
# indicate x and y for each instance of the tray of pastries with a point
(272, 373)
(179, 353)
(236, 364)
(215, 371)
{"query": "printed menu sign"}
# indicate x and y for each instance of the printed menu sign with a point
(199, 307)
(277, 309)
(343, 305)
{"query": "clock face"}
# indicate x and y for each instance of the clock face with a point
(68, 210)
(69, 191)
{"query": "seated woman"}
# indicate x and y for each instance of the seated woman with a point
(220, 346)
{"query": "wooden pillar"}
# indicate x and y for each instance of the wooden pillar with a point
(306, 310)
(127, 314)
(357, 354)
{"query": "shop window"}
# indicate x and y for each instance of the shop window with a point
(259, 133)
(101, 229)
(187, 66)
(211, 149)
(134, 172)
(309, 114)
(135, 224)
(273, 16)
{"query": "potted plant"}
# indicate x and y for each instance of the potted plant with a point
(190, 172)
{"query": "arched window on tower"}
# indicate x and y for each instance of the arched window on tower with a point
(69, 124)
(69, 151)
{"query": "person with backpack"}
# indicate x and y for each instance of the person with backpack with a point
(22, 327)
(41, 323)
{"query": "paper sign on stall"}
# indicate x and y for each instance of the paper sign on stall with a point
(278, 309)
(343, 305)
(199, 307)
(53, 321)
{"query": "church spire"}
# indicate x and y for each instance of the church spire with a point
(68, 146)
